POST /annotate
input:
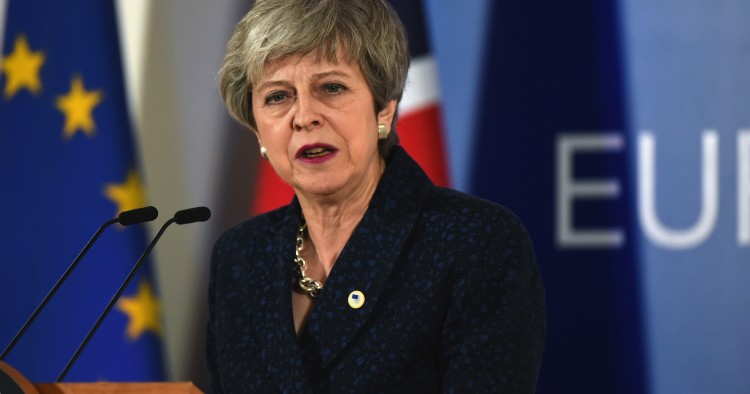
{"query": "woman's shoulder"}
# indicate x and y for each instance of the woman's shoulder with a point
(472, 223)
(458, 207)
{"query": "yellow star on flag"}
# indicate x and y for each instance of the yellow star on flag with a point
(21, 68)
(143, 311)
(128, 195)
(77, 106)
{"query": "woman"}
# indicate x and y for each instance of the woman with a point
(372, 279)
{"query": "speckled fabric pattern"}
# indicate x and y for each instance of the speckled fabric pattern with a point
(453, 301)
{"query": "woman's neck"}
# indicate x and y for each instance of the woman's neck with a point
(331, 221)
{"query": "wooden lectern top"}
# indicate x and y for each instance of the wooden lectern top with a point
(117, 388)
(11, 381)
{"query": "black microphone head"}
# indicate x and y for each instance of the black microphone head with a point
(197, 214)
(139, 215)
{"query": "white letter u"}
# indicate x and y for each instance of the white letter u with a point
(654, 229)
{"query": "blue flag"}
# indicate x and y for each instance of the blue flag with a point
(67, 164)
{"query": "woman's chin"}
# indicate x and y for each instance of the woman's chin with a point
(318, 188)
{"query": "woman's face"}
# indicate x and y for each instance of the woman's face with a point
(317, 121)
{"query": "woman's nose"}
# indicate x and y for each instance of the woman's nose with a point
(306, 114)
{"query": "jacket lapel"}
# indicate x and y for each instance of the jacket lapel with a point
(369, 256)
(274, 324)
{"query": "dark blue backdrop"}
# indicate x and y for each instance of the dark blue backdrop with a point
(554, 67)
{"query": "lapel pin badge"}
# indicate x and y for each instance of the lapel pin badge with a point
(356, 299)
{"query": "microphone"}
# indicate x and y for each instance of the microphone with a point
(125, 218)
(136, 216)
(191, 215)
(185, 216)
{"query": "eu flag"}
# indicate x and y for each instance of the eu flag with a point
(67, 164)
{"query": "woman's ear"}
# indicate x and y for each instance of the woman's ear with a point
(257, 136)
(385, 116)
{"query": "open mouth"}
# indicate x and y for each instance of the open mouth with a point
(316, 152)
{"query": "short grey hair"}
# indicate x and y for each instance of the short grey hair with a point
(368, 33)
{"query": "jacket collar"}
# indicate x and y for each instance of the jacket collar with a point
(364, 264)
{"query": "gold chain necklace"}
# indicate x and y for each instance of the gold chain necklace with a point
(305, 284)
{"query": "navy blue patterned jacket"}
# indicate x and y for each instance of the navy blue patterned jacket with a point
(453, 300)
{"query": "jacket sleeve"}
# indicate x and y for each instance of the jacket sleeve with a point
(494, 330)
(211, 356)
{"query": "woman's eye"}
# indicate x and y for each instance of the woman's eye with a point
(333, 88)
(276, 97)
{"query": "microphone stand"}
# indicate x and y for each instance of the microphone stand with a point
(114, 300)
(126, 218)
